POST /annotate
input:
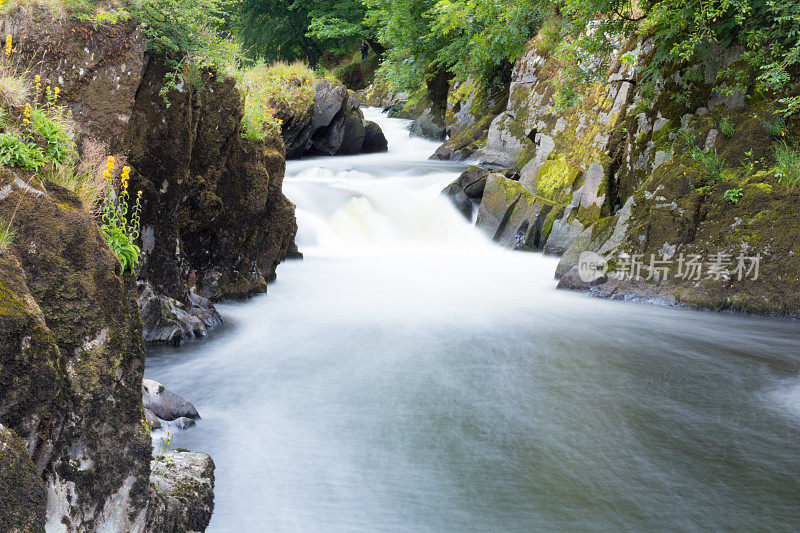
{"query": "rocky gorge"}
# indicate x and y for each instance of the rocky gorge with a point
(668, 193)
(620, 175)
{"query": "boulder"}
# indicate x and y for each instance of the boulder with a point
(166, 320)
(164, 403)
(181, 492)
(510, 214)
(374, 139)
(22, 495)
(430, 125)
(459, 199)
(473, 181)
(334, 125)
(214, 215)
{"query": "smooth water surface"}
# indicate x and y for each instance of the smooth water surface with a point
(410, 376)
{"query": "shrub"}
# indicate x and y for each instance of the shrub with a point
(732, 196)
(775, 127)
(788, 161)
(727, 128)
(14, 152)
(53, 127)
(267, 88)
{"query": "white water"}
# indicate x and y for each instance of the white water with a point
(408, 375)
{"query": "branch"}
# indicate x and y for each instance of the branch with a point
(629, 19)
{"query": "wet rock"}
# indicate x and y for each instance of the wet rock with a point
(184, 422)
(374, 139)
(164, 403)
(430, 125)
(473, 181)
(459, 199)
(181, 492)
(153, 422)
(22, 495)
(70, 349)
(166, 320)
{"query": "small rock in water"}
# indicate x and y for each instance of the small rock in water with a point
(153, 422)
(184, 423)
(164, 403)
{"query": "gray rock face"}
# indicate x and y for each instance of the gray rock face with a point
(510, 214)
(374, 139)
(181, 492)
(430, 125)
(164, 403)
(166, 320)
(22, 496)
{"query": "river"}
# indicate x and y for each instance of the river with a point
(408, 375)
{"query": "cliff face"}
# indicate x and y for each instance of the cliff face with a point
(641, 178)
(72, 360)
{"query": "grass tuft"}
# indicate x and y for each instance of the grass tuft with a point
(787, 158)
(7, 234)
(13, 90)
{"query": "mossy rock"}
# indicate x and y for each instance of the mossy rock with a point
(22, 494)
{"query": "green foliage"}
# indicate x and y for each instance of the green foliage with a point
(121, 233)
(732, 196)
(51, 125)
(776, 126)
(7, 234)
(709, 164)
(467, 37)
(14, 152)
(308, 30)
(189, 35)
(727, 128)
(787, 158)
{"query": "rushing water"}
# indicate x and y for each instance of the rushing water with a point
(410, 376)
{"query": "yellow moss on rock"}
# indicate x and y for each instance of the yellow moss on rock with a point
(554, 175)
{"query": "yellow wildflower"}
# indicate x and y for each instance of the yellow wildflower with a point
(8, 45)
(110, 163)
(107, 175)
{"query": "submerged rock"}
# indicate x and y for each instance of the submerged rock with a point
(164, 403)
(181, 492)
